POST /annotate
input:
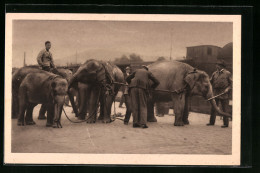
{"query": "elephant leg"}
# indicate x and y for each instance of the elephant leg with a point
(107, 109)
(42, 112)
(101, 99)
(22, 106)
(93, 105)
(15, 104)
(150, 111)
(179, 104)
(50, 115)
(82, 103)
(186, 111)
(29, 114)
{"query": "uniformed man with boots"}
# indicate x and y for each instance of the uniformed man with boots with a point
(139, 89)
(221, 81)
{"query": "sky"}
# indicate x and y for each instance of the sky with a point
(145, 38)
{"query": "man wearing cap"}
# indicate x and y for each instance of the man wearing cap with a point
(139, 85)
(221, 81)
(45, 59)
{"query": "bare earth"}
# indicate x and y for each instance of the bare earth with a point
(160, 138)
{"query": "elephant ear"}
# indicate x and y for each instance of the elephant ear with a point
(190, 79)
(53, 84)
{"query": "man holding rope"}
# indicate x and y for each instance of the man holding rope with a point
(221, 81)
(139, 85)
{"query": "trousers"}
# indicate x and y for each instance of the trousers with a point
(139, 105)
(224, 104)
(128, 107)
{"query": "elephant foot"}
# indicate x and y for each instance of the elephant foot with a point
(81, 118)
(42, 117)
(100, 117)
(107, 120)
(49, 124)
(179, 124)
(14, 117)
(186, 122)
(90, 121)
(160, 115)
(20, 123)
(30, 123)
(153, 119)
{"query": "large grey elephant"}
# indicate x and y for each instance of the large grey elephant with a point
(186, 81)
(94, 82)
(42, 88)
(20, 74)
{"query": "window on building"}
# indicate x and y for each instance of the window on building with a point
(209, 51)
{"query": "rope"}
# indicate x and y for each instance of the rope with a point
(95, 112)
(70, 119)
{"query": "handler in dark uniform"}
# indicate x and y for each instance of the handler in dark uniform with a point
(127, 98)
(139, 85)
(45, 59)
(125, 88)
(221, 81)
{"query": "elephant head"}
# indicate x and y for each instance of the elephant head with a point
(199, 84)
(65, 73)
(88, 73)
(92, 72)
(59, 89)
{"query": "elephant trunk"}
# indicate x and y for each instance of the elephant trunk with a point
(71, 96)
(58, 110)
(74, 107)
(214, 105)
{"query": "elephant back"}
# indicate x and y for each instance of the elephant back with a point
(170, 74)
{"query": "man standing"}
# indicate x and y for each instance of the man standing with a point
(127, 98)
(125, 88)
(221, 81)
(139, 85)
(45, 59)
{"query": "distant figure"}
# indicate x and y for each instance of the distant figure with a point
(139, 85)
(221, 81)
(45, 59)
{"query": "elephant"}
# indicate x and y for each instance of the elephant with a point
(42, 88)
(94, 82)
(20, 74)
(186, 81)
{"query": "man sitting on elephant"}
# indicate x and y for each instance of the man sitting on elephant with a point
(45, 59)
(139, 85)
(221, 81)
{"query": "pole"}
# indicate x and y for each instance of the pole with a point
(216, 96)
(24, 57)
(171, 47)
(76, 57)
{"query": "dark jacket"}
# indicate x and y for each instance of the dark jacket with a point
(140, 79)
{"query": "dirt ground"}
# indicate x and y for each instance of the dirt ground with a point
(160, 138)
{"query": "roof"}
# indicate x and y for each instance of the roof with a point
(204, 46)
(227, 50)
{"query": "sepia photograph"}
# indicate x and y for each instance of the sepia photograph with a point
(129, 89)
